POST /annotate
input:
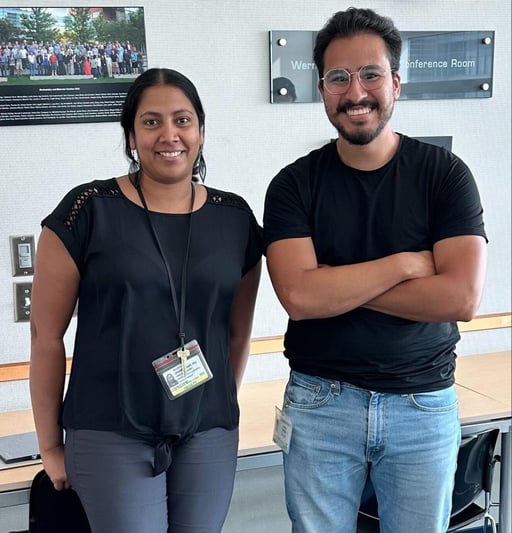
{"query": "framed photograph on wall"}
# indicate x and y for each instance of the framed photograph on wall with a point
(68, 65)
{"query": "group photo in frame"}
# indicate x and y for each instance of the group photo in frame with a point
(68, 65)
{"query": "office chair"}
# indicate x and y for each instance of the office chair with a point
(474, 475)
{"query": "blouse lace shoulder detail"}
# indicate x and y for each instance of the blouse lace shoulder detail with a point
(228, 199)
(108, 189)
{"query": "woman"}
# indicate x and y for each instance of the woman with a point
(165, 271)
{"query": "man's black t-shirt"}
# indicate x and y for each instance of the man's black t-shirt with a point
(423, 195)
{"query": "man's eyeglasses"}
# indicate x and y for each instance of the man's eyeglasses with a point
(337, 80)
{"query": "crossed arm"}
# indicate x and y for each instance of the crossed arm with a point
(440, 286)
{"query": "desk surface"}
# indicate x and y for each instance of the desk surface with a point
(479, 373)
(483, 384)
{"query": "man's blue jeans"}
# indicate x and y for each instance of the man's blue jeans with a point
(406, 443)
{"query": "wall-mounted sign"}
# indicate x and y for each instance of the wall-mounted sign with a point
(293, 73)
(446, 64)
(444, 141)
(68, 64)
(433, 65)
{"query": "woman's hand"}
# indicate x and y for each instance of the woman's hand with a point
(53, 463)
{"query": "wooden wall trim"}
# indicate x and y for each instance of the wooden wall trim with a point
(495, 321)
(18, 371)
(264, 345)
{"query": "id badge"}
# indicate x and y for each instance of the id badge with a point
(282, 430)
(182, 370)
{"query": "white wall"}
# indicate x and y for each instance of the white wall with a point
(223, 47)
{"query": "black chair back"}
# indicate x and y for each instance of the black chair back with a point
(475, 465)
(474, 474)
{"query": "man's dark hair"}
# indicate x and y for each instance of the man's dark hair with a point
(355, 21)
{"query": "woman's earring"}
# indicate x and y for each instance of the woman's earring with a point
(197, 170)
(133, 171)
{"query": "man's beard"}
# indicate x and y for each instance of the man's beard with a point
(362, 138)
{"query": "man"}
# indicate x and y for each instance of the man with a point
(375, 248)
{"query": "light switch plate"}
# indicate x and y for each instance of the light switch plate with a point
(22, 301)
(22, 255)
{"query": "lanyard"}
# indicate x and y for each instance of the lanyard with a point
(179, 310)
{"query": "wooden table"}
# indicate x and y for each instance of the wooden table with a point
(483, 383)
(489, 375)
(479, 373)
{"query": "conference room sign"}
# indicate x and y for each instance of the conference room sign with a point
(433, 65)
(68, 65)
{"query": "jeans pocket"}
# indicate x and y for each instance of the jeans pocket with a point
(307, 392)
(436, 401)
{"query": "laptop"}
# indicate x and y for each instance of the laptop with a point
(19, 448)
